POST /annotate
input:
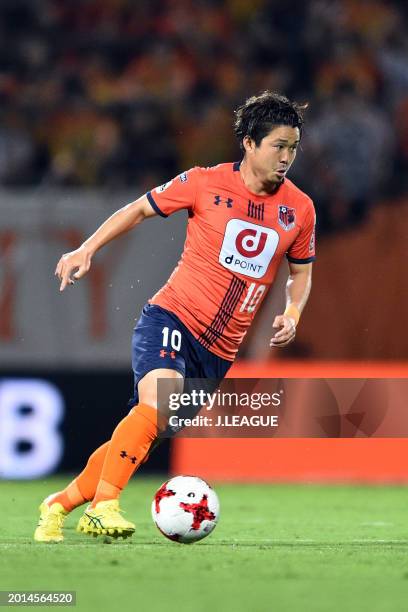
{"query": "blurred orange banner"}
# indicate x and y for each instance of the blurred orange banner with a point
(358, 458)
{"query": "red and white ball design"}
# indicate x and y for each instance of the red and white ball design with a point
(185, 509)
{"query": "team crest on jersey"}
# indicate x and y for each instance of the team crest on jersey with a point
(286, 217)
(163, 187)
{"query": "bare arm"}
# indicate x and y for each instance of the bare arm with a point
(78, 262)
(297, 292)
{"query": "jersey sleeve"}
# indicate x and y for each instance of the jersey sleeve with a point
(302, 250)
(177, 194)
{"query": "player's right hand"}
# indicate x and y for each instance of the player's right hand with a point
(72, 266)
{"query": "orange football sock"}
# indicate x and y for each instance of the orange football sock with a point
(83, 487)
(129, 445)
(88, 479)
(70, 497)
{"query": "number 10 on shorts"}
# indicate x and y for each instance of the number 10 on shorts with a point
(174, 337)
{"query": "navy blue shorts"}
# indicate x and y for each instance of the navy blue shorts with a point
(160, 340)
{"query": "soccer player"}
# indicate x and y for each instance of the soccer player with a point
(244, 217)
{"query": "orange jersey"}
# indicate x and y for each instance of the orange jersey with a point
(234, 245)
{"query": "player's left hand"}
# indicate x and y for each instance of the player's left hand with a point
(286, 331)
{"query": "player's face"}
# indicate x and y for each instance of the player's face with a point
(275, 154)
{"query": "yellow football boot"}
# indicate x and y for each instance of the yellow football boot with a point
(105, 519)
(51, 522)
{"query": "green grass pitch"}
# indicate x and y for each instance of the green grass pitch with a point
(277, 548)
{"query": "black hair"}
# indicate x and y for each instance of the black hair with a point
(260, 114)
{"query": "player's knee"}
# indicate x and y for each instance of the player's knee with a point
(150, 413)
(156, 387)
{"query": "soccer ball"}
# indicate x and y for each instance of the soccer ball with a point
(185, 509)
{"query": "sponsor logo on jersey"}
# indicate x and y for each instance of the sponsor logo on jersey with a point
(286, 217)
(220, 200)
(248, 248)
(183, 177)
(163, 187)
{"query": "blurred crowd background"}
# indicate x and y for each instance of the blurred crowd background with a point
(108, 93)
